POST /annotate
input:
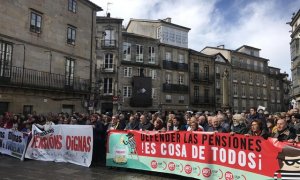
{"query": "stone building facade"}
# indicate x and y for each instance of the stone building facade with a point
(109, 54)
(295, 57)
(253, 82)
(47, 55)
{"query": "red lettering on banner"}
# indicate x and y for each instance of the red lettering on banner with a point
(47, 142)
(78, 143)
(238, 152)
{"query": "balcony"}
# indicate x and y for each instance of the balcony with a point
(28, 78)
(203, 100)
(202, 77)
(108, 44)
(175, 66)
(175, 88)
(107, 68)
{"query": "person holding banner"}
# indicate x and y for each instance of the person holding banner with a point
(284, 133)
(238, 125)
(257, 129)
(216, 126)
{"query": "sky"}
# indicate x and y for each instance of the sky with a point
(233, 23)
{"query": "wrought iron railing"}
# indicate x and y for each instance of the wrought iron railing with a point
(17, 76)
(175, 88)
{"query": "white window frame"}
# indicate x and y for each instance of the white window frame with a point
(151, 55)
(127, 91)
(153, 73)
(168, 56)
(127, 71)
(126, 51)
(139, 53)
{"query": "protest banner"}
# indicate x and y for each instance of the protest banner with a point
(62, 143)
(203, 155)
(13, 143)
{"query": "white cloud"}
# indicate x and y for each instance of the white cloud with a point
(261, 24)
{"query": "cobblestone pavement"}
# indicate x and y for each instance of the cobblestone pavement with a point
(12, 169)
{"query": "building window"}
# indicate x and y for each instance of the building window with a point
(168, 79)
(235, 90)
(71, 36)
(109, 38)
(72, 6)
(141, 72)
(251, 91)
(250, 78)
(139, 53)
(181, 58)
(35, 22)
(257, 79)
(151, 55)
(168, 98)
(206, 95)
(152, 73)
(180, 79)
(243, 91)
(108, 84)
(196, 70)
(206, 72)
(196, 91)
(255, 66)
(265, 93)
(244, 105)
(69, 72)
(181, 99)
(264, 80)
(218, 84)
(236, 105)
(217, 70)
(154, 93)
(5, 59)
(108, 61)
(127, 91)
(126, 51)
(168, 56)
(127, 71)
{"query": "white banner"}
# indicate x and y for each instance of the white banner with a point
(13, 143)
(62, 143)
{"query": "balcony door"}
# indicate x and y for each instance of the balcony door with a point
(69, 72)
(5, 60)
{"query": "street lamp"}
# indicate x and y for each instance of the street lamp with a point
(24, 56)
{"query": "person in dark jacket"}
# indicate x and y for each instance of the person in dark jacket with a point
(99, 134)
(238, 125)
(216, 126)
(133, 123)
(145, 124)
(177, 124)
(257, 129)
(284, 133)
(255, 115)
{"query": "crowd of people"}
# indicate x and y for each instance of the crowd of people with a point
(284, 126)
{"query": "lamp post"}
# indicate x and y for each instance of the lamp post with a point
(24, 58)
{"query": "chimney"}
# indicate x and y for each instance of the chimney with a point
(168, 19)
(108, 15)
